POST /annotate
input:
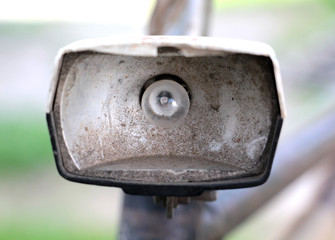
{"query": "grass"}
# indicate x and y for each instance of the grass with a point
(45, 229)
(24, 142)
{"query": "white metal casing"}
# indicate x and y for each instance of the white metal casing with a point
(102, 134)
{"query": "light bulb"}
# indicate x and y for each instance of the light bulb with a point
(165, 103)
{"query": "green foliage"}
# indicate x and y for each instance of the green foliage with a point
(24, 142)
(44, 229)
(330, 4)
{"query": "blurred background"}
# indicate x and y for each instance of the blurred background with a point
(36, 203)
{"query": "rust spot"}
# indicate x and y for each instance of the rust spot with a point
(86, 129)
(123, 124)
(168, 50)
(215, 107)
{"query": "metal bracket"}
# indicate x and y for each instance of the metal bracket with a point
(170, 203)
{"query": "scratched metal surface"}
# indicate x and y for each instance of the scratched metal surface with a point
(233, 102)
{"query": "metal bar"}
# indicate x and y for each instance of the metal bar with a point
(180, 17)
(293, 158)
(143, 219)
(322, 195)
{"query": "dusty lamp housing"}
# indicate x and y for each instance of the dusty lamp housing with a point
(227, 139)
